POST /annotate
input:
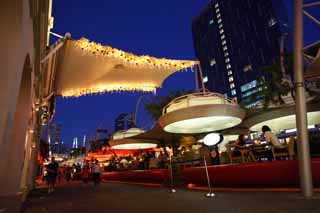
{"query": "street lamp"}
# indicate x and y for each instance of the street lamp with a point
(210, 140)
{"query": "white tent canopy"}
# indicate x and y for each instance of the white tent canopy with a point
(88, 68)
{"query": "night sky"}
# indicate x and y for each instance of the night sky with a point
(156, 28)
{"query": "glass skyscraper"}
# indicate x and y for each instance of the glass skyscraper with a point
(235, 39)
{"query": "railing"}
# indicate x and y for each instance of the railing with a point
(191, 96)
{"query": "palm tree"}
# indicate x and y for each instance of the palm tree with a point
(275, 83)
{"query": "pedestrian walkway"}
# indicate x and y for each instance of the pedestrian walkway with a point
(111, 197)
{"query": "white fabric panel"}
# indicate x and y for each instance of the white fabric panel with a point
(81, 73)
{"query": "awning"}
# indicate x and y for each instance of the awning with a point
(88, 68)
(281, 118)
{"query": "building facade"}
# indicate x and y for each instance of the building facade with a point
(124, 121)
(234, 40)
(54, 138)
(24, 35)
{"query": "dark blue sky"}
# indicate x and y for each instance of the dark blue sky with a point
(157, 28)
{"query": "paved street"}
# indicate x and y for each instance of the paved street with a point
(140, 199)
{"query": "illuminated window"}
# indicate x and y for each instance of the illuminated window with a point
(233, 92)
(232, 85)
(230, 79)
(211, 21)
(221, 31)
(218, 15)
(220, 25)
(212, 62)
(224, 42)
(227, 60)
(226, 54)
(205, 79)
(219, 20)
(228, 66)
(229, 72)
(216, 5)
(217, 10)
(272, 22)
(224, 48)
(247, 68)
(223, 36)
(247, 86)
(250, 92)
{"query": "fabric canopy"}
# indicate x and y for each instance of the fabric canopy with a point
(88, 68)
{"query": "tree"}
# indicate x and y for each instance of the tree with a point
(274, 83)
(154, 109)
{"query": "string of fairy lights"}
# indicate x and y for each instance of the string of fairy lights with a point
(127, 59)
(109, 88)
(139, 60)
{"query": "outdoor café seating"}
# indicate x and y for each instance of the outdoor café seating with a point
(287, 151)
(235, 155)
(261, 152)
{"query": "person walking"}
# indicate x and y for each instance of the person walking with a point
(67, 172)
(52, 170)
(85, 172)
(96, 173)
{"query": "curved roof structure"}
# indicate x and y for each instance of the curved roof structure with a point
(88, 67)
(200, 113)
(281, 118)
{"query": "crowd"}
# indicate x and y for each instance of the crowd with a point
(137, 161)
(54, 174)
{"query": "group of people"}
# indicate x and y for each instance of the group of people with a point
(138, 161)
(91, 171)
(267, 135)
(55, 174)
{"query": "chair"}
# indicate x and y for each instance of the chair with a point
(262, 151)
(279, 152)
(291, 148)
(234, 154)
(153, 163)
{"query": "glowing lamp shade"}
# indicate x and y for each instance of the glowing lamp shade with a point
(212, 139)
(198, 113)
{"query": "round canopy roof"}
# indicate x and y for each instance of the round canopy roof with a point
(197, 113)
(281, 118)
(127, 133)
(131, 143)
(124, 140)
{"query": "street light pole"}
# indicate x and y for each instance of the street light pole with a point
(301, 112)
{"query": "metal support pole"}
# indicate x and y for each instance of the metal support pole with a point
(210, 193)
(173, 190)
(196, 78)
(301, 112)
(315, 20)
(317, 3)
(201, 78)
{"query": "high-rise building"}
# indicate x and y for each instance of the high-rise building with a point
(54, 137)
(234, 40)
(124, 121)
